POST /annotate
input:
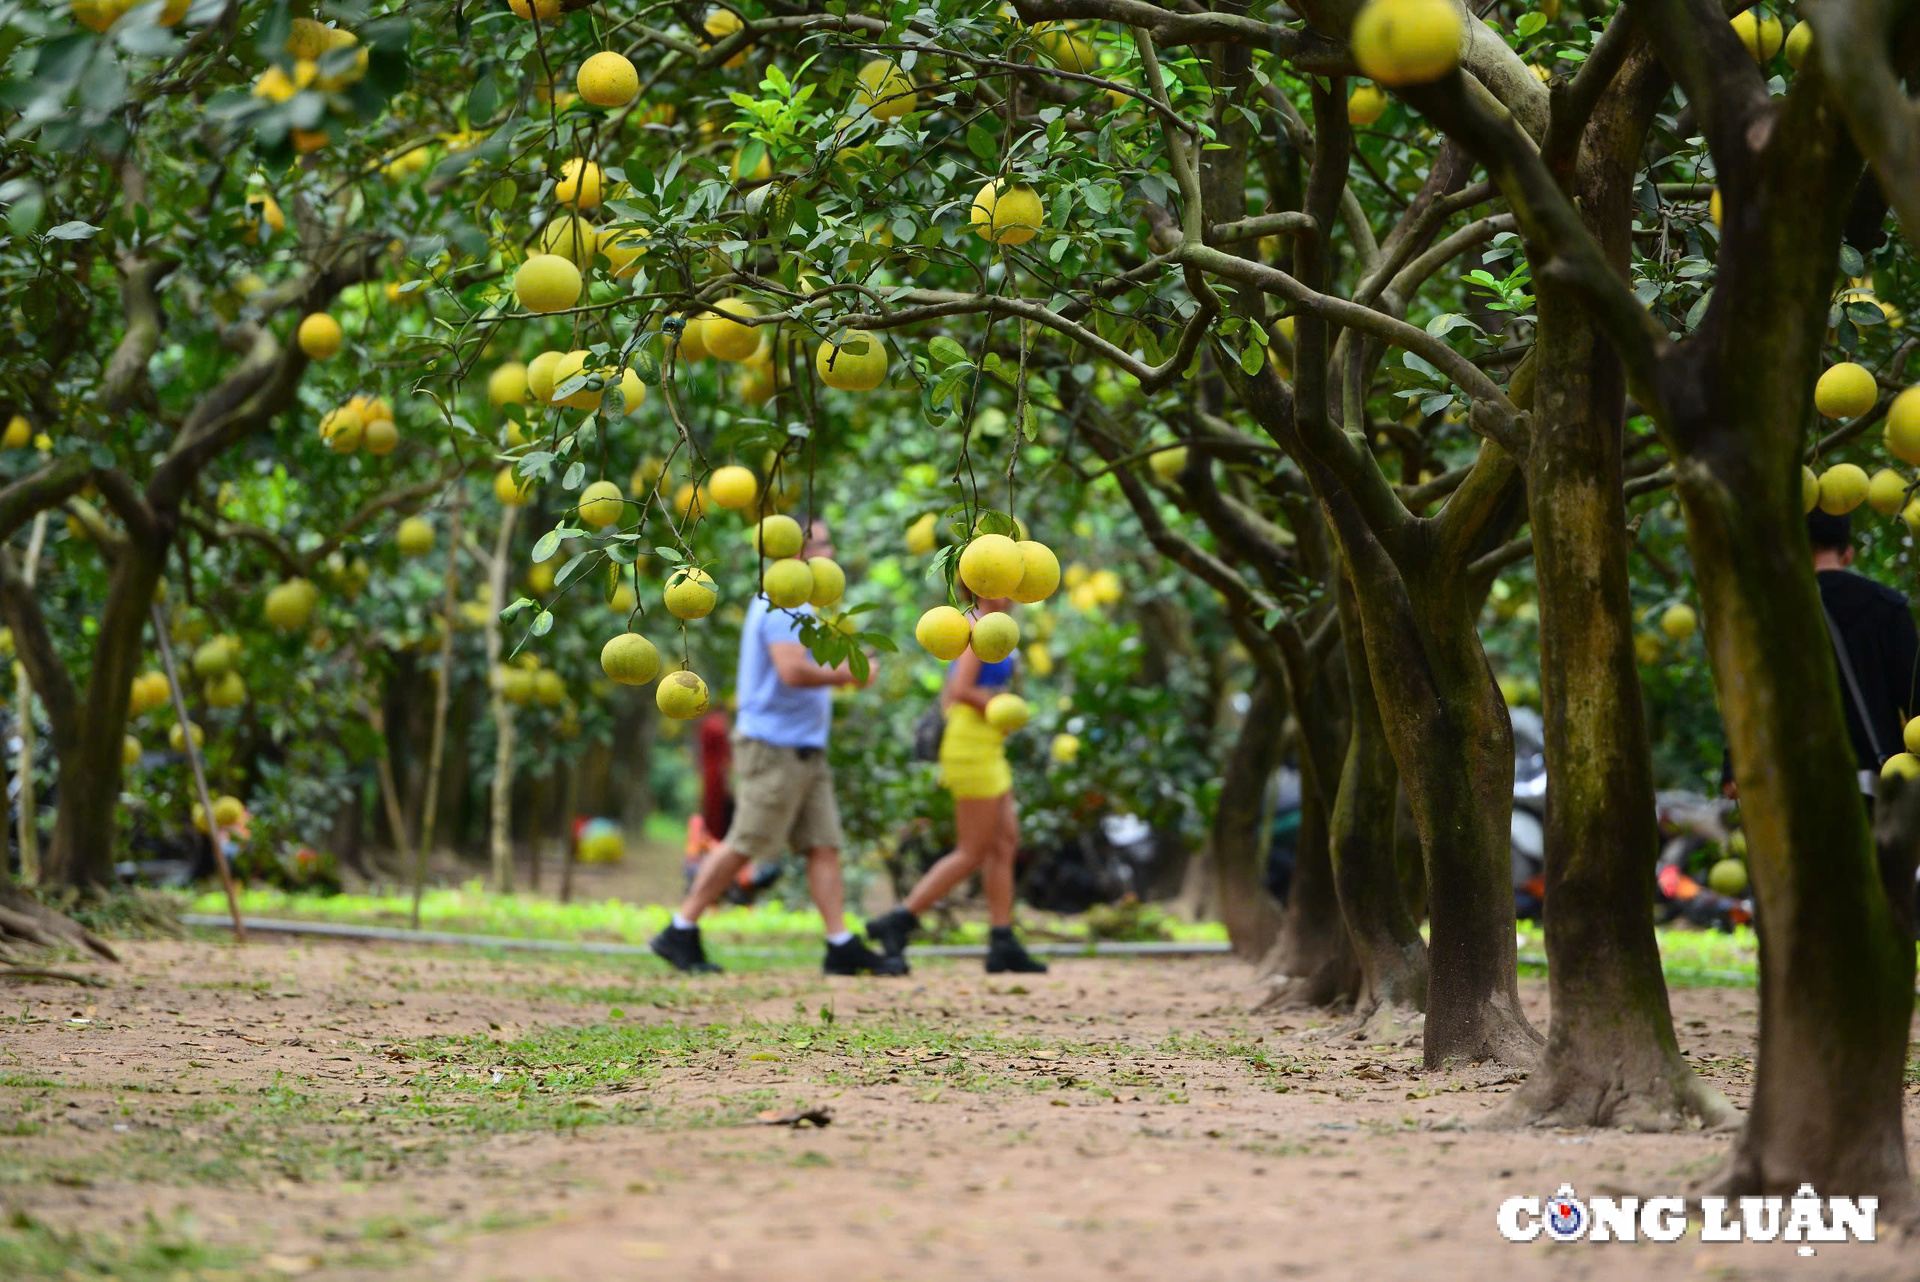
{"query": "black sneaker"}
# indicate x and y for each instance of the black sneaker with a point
(680, 948)
(1006, 956)
(892, 930)
(855, 958)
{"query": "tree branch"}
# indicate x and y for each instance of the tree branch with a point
(34, 644)
(1851, 42)
(47, 486)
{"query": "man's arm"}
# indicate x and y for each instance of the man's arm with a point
(795, 667)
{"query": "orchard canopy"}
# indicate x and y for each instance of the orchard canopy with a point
(1427, 347)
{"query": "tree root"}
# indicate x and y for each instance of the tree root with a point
(1381, 1023)
(24, 919)
(29, 972)
(1593, 1089)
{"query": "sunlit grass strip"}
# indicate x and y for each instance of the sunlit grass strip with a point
(471, 909)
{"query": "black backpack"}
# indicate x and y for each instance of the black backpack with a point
(927, 731)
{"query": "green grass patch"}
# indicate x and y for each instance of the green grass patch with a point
(472, 909)
(160, 1251)
(1690, 958)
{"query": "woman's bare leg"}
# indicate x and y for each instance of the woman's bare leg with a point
(996, 876)
(977, 822)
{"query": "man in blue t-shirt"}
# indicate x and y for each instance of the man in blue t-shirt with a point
(783, 788)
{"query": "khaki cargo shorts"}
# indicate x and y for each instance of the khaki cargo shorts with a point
(783, 799)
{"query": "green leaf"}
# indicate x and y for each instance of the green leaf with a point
(543, 623)
(1529, 23)
(981, 142)
(1861, 313)
(516, 607)
(943, 351)
(72, 231)
(1852, 262)
(548, 544)
(576, 476)
(1252, 358)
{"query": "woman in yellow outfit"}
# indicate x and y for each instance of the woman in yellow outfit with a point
(973, 767)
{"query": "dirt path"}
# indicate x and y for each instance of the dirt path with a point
(339, 1112)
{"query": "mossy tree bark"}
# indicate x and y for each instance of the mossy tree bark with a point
(1238, 838)
(1392, 956)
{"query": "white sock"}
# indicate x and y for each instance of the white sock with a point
(839, 939)
(681, 923)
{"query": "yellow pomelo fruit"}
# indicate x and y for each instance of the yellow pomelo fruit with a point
(630, 659)
(1678, 622)
(19, 433)
(733, 487)
(212, 659)
(777, 537)
(1067, 48)
(341, 428)
(1887, 492)
(579, 187)
(648, 475)
(1761, 36)
(690, 593)
(227, 690)
(720, 24)
(829, 582)
(227, 811)
(129, 750)
(1846, 390)
(1809, 489)
(691, 343)
(549, 10)
(601, 504)
(1366, 104)
(1007, 214)
(1901, 765)
(857, 363)
(381, 437)
(1168, 464)
(540, 376)
(507, 385)
(177, 739)
(290, 605)
(547, 283)
(1064, 748)
(992, 566)
(787, 583)
(1041, 574)
(1911, 735)
(319, 335)
(572, 366)
(1007, 712)
(944, 632)
(549, 688)
(623, 600)
(1727, 877)
(1843, 487)
(1407, 42)
(607, 79)
(885, 90)
(687, 501)
(632, 392)
(995, 636)
(1902, 433)
(921, 535)
(414, 537)
(725, 336)
(681, 695)
(511, 490)
(574, 239)
(622, 250)
(1714, 207)
(1799, 44)
(540, 578)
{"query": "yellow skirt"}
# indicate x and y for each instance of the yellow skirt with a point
(973, 756)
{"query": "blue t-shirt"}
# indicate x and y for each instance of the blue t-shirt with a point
(770, 710)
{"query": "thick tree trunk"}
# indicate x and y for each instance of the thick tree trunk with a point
(81, 853)
(1238, 840)
(1611, 1057)
(1312, 963)
(1386, 943)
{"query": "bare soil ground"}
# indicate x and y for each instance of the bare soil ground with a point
(340, 1112)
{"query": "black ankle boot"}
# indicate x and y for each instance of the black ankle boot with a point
(891, 930)
(1006, 956)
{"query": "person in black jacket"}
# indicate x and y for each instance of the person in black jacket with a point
(1874, 636)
